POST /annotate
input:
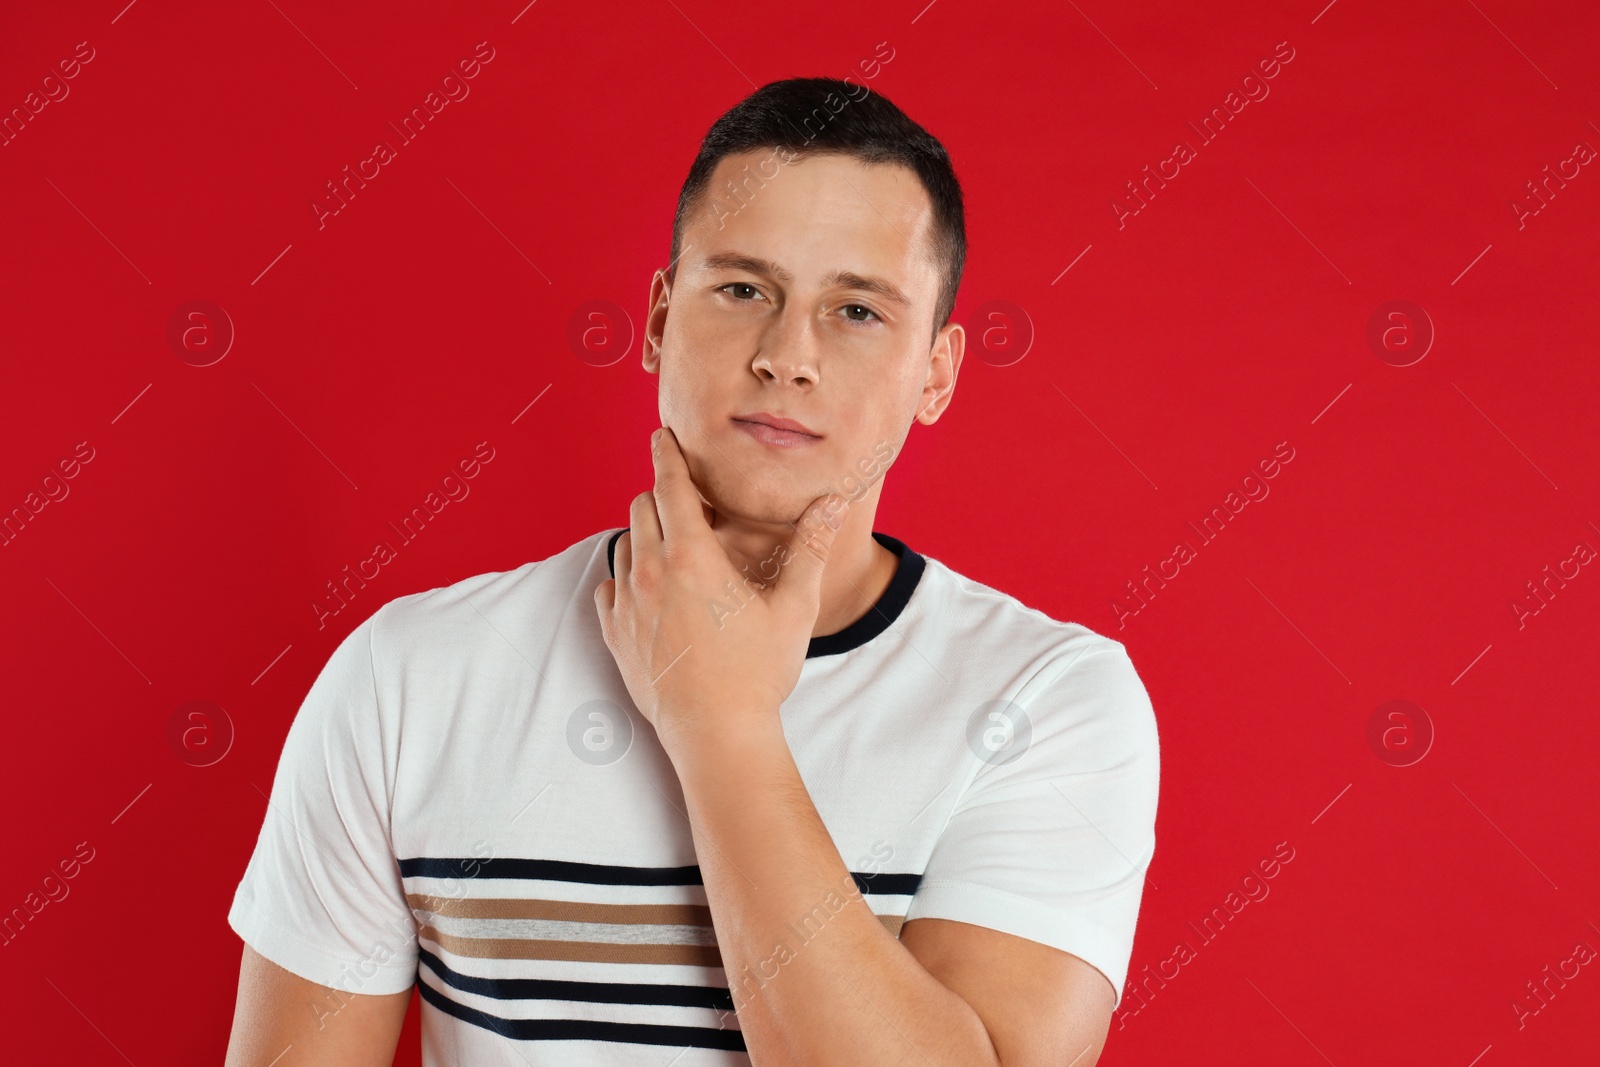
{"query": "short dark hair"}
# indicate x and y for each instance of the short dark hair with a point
(805, 116)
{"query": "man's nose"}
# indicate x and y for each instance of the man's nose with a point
(788, 351)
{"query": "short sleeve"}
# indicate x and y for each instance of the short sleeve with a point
(322, 894)
(1051, 840)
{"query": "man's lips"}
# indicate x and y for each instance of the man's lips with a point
(775, 429)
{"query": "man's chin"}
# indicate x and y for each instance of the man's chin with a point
(738, 499)
(781, 515)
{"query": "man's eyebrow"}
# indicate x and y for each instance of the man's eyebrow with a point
(751, 264)
(852, 280)
(847, 279)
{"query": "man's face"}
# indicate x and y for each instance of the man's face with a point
(810, 297)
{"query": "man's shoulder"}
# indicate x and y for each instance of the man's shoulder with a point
(1072, 676)
(1002, 625)
(526, 595)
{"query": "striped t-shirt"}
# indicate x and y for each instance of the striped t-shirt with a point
(468, 800)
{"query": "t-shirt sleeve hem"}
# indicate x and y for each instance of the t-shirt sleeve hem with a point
(1012, 914)
(314, 964)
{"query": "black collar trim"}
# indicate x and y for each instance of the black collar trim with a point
(878, 619)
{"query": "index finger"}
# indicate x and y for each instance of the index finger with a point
(677, 500)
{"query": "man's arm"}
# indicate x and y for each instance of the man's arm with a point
(816, 977)
(284, 1020)
(1040, 1005)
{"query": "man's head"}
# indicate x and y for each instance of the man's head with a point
(817, 249)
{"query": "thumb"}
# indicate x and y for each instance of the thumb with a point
(809, 549)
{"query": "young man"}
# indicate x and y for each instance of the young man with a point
(746, 781)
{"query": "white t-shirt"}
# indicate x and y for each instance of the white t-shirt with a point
(468, 800)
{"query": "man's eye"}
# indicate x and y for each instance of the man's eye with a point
(741, 285)
(849, 308)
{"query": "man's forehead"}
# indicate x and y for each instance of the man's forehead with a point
(880, 212)
(741, 178)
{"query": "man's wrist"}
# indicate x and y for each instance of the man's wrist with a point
(718, 738)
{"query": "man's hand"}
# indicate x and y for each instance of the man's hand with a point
(699, 648)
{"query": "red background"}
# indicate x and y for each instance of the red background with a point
(1229, 315)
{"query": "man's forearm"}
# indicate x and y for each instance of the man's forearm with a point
(816, 977)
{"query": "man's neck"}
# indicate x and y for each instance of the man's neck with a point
(859, 569)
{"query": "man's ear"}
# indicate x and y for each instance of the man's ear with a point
(655, 322)
(944, 363)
